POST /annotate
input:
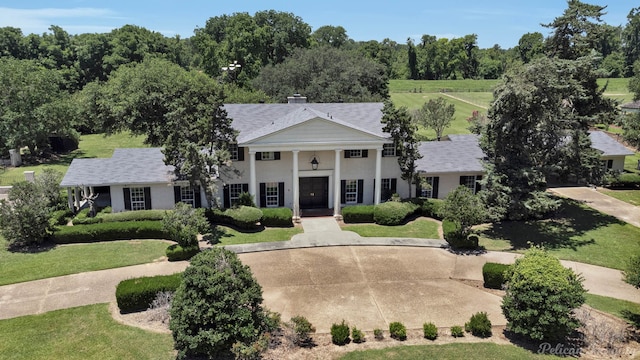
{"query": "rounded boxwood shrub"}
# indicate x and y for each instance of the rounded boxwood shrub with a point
(357, 335)
(494, 275)
(176, 252)
(358, 214)
(397, 331)
(392, 212)
(244, 217)
(479, 325)
(456, 331)
(138, 294)
(277, 217)
(430, 331)
(340, 333)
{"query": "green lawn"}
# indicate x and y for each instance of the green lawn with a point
(576, 233)
(434, 86)
(630, 196)
(420, 228)
(623, 309)
(449, 351)
(87, 332)
(91, 146)
(231, 236)
(71, 259)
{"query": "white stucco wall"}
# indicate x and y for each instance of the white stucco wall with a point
(449, 182)
(618, 162)
(162, 196)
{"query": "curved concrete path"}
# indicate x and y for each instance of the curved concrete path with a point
(328, 274)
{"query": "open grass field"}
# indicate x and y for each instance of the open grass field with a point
(72, 259)
(83, 333)
(576, 233)
(448, 352)
(91, 146)
(419, 228)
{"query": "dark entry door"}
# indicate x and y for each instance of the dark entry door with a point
(314, 192)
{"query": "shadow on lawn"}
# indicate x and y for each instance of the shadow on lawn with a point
(561, 230)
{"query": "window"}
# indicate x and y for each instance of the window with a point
(389, 150)
(355, 153)
(137, 198)
(471, 182)
(606, 164)
(234, 193)
(351, 191)
(272, 195)
(187, 195)
(268, 155)
(427, 191)
(388, 188)
(233, 152)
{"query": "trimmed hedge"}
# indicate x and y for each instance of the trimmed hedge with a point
(244, 217)
(138, 294)
(393, 213)
(358, 214)
(109, 231)
(138, 215)
(494, 275)
(60, 217)
(277, 217)
(431, 208)
(176, 252)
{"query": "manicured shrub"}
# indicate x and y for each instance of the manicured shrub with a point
(479, 325)
(176, 252)
(541, 296)
(398, 331)
(454, 235)
(138, 294)
(430, 331)
(357, 335)
(340, 333)
(456, 331)
(393, 213)
(244, 217)
(377, 333)
(217, 305)
(494, 275)
(184, 223)
(138, 215)
(218, 216)
(60, 217)
(277, 217)
(246, 199)
(109, 231)
(358, 214)
(431, 208)
(301, 328)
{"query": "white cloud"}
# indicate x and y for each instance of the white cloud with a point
(39, 20)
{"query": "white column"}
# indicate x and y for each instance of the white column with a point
(252, 176)
(70, 198)
(296, 187)
(336, 184)
(76, 195)
(378, 175)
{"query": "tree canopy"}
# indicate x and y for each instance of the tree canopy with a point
(435, 114)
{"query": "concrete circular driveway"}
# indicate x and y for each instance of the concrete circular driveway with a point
(370, 287)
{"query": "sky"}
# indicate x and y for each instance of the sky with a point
(500, 22)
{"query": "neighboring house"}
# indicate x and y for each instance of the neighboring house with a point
(297, 155)
(613, 153)
(632, 107)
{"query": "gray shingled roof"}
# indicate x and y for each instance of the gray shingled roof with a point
(460, 155)
(126, 166)
(257, 120)
(632, 105)
(606, 144)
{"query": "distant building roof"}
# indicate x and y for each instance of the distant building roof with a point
(631, 106)
(126, 166)
(609, 146)
(461, 154)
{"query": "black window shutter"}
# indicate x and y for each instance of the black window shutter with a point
(418, 189)
(227, 196)
(196, 197)
(240, 153)
(365, 153)
(360, 191)
(281, 194)
(258, 155)
(347, 154)
(127, 198)
(463, 180)
(245, 187)
(478, 186)
(434, 187)
(176, 194)
(394, 185)
(276, 155)
(147, 198)
(343, 191)
(263, 195)
(609, 164)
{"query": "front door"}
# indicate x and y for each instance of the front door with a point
(314, 192)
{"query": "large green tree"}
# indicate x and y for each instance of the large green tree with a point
(399, 125)
(631, 39)
(538, 126)
(435, 114)
(325, 74)
(631, 122)
(218, 304)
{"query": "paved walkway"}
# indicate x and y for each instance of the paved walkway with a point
(408, 265)
(601, 202)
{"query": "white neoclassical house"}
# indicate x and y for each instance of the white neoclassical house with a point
(297, 155)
